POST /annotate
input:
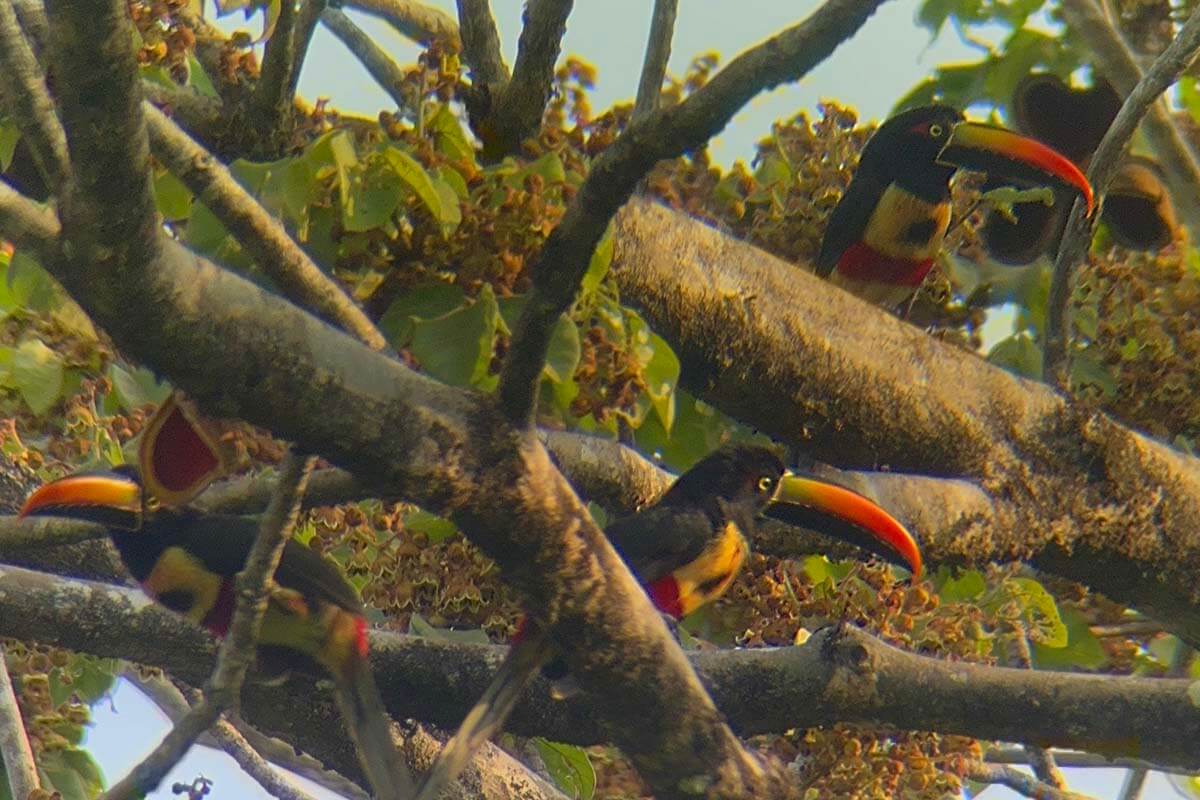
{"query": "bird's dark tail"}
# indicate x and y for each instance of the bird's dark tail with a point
(523, 661)
(361, 706)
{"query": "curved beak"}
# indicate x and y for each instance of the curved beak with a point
(1005, 154)
(109, 498)
(845, 514)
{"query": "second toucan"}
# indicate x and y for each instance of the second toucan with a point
(886, 231)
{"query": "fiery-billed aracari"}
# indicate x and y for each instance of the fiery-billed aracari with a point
(187, 561)
(685, 550)
(887, 229)
(1137, 209)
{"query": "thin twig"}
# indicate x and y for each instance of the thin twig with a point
(667, 133)
(236, 653)
(1131, 787)
(273, 99)
(1040, 758)
(412, 19)
(15, 751)
(33, 21)
(24, 95)
(1076, 759)
(658, 53)
(200, 116)
(262, 236)
(254, 765)
(386, 72)
(1018, 781)
(1165, 71)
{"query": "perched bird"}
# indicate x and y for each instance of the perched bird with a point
(884, 234)
(1137, 209)
(187, 561)
(685, 550)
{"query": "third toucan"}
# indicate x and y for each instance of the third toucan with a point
(685, 550)
(886, 231)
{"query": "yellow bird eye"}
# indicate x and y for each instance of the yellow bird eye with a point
(935, 131)
(766, 484)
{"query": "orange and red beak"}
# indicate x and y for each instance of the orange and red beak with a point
(114, 499)
(845, 514)
(1005, 154)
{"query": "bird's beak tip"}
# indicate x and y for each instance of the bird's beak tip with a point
(110, 498)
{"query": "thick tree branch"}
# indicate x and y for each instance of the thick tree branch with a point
(1018, 781)
(1059, 484)
(1165, 71)
(33, 22)
(668, 133)
(1118, 65)
(16, 756)
(446, 449)
(413, 19)
(200, 116)
(261, 234)
(840, 675)
(383, 69)
(516, 114)
(658, 53)
(236, 653)
(273, 97)
(481, 47)
(24, 96)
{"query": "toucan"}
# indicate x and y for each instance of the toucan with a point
(1073, 120)
(685, 550)
(886, 231)
(187, 561)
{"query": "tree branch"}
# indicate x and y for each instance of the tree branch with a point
(658, 53)
(516, 114)
(262, 235)
(1018, 781)
(1165, 70)
(383, 69)
(236, 653)
(15, 754)
(615, 174)
(443, 448)
(841, 674)
(1078, 760)
(306, 25)
(23, 94)
(273, 98)
(1056, 483)
(481, 46)
(1040, 758)
(412, 19)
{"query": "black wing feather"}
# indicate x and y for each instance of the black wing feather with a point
(657, 540)
(848, 220)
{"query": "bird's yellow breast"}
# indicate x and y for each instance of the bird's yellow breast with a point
(905, 226)
(183, 583)
(709, 576)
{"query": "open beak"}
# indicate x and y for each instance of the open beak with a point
(109, 498)
(1005, 154)
(847, 515)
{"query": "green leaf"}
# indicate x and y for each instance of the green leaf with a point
(451, 208)
(1087, 370)
(820, 569)
(37, 373)
(173, 199)
(138, 388)
(563, 355)
(600, 262)
(422, 302)
(968, 586)
(1189, 96)
(436, 529)
(370, 198)
(1039, 610)
(418, 626)
(198, 79)
(93, 677)
(549, 167)
(410, 171)
(1082, 651)
(448, 136)
(569, 768)
(10, 134)
(1020, 354)
(28, 286)
(456, 348)
(662, 374)
(73, 773)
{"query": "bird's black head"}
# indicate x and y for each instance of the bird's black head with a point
(906, 147)
(738, 473)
